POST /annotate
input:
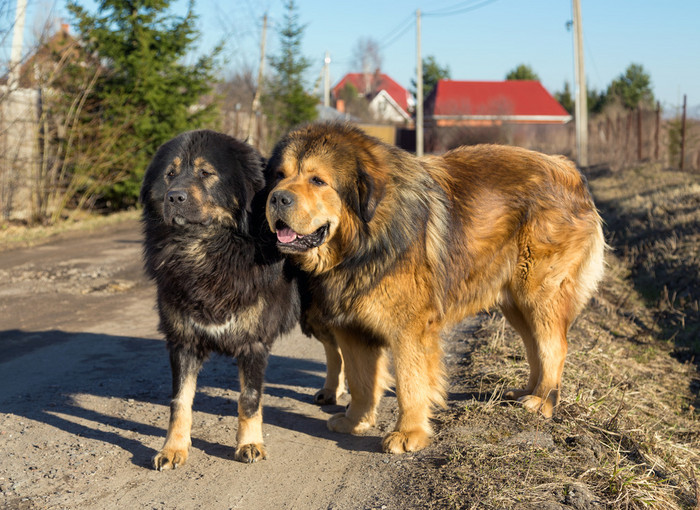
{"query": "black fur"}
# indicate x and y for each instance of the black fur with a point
(222, 285)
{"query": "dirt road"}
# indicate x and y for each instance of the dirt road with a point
(85, 387)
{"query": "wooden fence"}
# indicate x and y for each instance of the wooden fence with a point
(617, 138)
(628, 137)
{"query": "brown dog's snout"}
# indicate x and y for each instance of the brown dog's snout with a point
(177, 196)
(282, 199)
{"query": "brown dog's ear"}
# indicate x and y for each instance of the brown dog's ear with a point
(370, 193)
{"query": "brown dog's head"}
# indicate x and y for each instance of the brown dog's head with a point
(326, 187)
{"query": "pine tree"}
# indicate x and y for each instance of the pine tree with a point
(596, 100)
(522, 72)
(566, 98)
(145, 92)
(633, 88)
(285, 101)
(432, 74)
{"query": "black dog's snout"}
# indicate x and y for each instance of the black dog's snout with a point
(175, 196)
(282, 198)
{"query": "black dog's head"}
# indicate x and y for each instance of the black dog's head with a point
(200, 179)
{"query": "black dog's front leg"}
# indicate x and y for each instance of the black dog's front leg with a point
(185, 366)
(251, 372)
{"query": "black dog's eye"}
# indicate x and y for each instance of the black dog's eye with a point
(318, 181)
(171, 173)
(204, 173)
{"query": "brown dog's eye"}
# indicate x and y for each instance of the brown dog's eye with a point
(279, 176)
(317, 181)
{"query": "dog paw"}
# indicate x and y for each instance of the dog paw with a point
(170, 458)
(535, 404)
(405, 441)
(325, 396)
(341, 423)
(249, 453)
(515, 394)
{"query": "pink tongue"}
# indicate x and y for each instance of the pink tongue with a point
(286, 235)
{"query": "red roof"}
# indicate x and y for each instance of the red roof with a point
(376, 83)
(528, 100)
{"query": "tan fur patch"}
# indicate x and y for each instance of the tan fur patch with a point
(175, 451)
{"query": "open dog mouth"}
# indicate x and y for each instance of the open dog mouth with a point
(288, 239)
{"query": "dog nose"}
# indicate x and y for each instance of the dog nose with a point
(283, 198)
(179, 195)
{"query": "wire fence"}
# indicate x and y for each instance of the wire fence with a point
(618, 138)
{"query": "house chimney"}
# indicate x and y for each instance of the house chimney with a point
(340, 105)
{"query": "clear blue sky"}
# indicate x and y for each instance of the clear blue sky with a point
(488, 39)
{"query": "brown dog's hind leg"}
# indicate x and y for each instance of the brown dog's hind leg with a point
(551, 351)
(185, 366)
(334, 386)
(542, 324)
(516, 319)
(365, 368)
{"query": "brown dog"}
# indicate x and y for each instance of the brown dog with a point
(399, 248)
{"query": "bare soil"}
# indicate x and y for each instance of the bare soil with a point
(85, 383)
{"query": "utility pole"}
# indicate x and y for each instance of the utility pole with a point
(17, 37)
(419, 90)
(327, 80)
(581, 95)
(256, 99)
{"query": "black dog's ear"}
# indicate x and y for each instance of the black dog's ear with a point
(369, 194)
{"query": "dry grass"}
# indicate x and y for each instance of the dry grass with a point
(654, 215)
(18, 235)
(627, 433)
(625, 436)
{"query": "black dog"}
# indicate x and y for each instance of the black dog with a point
(222, 285)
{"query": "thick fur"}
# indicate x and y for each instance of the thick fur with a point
(222, 285)
(399, 248)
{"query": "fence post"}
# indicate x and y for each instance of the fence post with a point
(639, 133)
(656, 131)
(628, 150)
(685, 97)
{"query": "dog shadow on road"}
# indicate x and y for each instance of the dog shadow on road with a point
(117, 389)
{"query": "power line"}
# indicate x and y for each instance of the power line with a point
(401, 26)
(408, 23)
(387, 40)
(459, 8)
(398, 35)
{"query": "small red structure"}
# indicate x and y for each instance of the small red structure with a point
(387, 99)
(488, 103)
